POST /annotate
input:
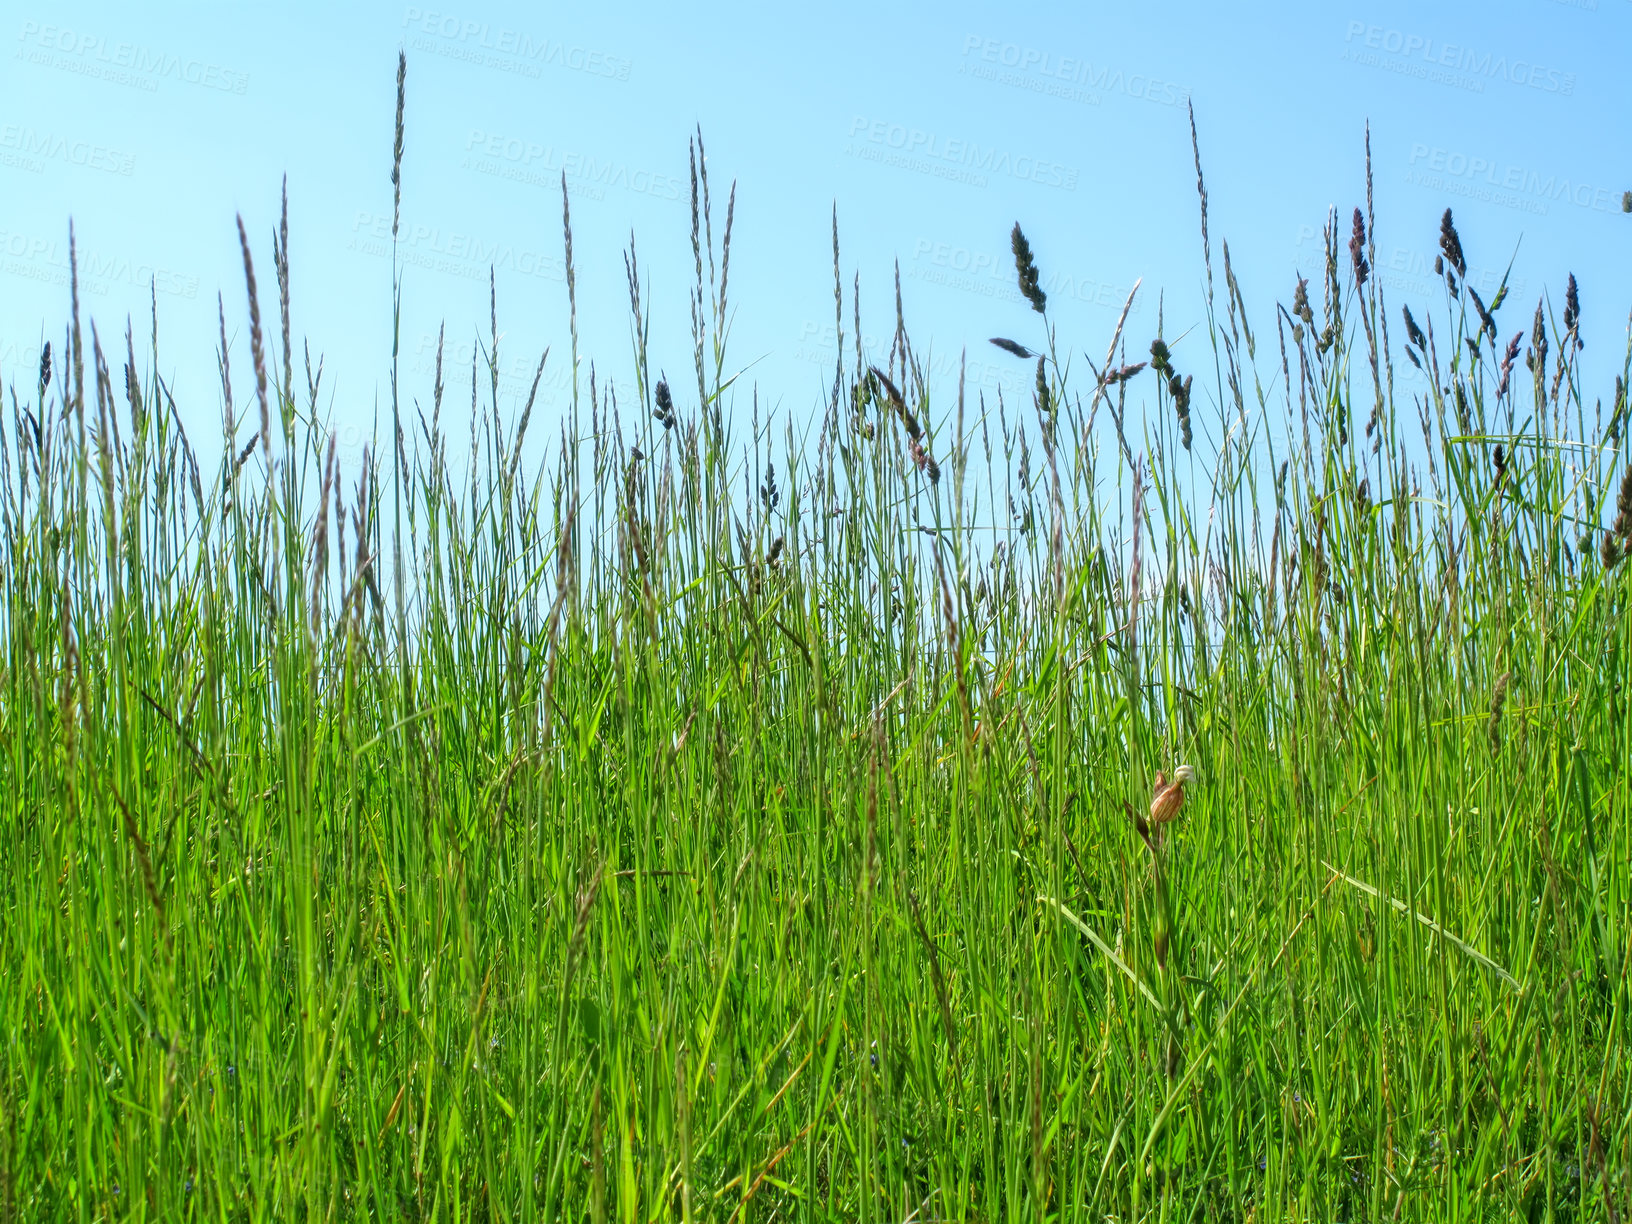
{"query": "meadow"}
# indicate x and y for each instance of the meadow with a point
(703, 824)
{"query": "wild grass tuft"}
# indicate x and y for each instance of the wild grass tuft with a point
(689, 827)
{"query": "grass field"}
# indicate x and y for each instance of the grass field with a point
(702, 826)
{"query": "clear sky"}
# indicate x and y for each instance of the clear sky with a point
(932, 127)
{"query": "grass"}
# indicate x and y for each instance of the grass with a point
(658, 833)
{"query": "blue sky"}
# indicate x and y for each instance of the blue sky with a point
(933, 129)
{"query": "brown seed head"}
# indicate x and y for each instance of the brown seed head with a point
(1486, 321)
(1623, 509)
(1451, 244)
(1012, 346)
(1572, 311)
(1413, 332)
(1026, 268)
(1357, 251)
(1536, 358)
(1508, 359)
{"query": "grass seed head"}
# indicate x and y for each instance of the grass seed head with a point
(1357, 251)
(1508, 359)
(1179, 389)
(1498, 700)
(1414, 332)
(1572, 312)
(1622, 526)
(926, 462)
(1487, 322)
(1300, 302)
(1026, 267)
(396, 149)
(665, 405)
(1451, 245)
(769, 495)
(1536, 358)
